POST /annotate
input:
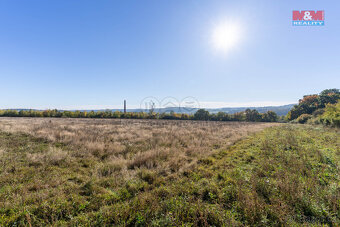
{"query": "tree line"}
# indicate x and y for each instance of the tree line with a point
(321, 108)
(310, 104)
(201, 114)
(316, 108)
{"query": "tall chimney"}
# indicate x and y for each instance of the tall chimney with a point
(125, 106)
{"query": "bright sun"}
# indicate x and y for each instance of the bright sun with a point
(226, 36)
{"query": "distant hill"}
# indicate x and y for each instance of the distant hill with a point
(279, 110)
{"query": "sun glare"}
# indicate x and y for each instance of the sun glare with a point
(226, 36)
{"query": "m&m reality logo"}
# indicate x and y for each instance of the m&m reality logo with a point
(308, 18)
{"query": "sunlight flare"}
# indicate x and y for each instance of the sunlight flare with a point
(226, 35)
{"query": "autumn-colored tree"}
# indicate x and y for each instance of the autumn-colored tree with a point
(311, 103)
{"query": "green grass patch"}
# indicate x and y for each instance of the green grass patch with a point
(286, 175)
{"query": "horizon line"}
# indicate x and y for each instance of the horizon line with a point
(203, 105)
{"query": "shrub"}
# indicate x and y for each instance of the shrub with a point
(303, 118)
(331, 115)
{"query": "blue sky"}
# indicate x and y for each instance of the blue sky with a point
(94, 54)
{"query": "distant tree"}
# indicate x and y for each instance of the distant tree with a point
(11, 113)
(221, 116)
(269, 116)
(330, 91)
(24, 113)
(309, 103)
(252, 115)
(46, 113)
(201, 114)
(294, 113)
(238, 116)
(185, 116)
(329, 96)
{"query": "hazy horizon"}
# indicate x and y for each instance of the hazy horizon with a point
(204, 105)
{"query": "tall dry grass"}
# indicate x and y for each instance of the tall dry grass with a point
(83, 172)
(128, 145)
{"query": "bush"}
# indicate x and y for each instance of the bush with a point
(318, 112)
(303, 118)
(331, 115)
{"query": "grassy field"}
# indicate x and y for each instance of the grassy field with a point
(90, 172)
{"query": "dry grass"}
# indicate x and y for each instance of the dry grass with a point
(128, 145)
(53, 156)
(57, 168)
(86, 172)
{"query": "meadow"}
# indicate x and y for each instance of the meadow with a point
(98, 172)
